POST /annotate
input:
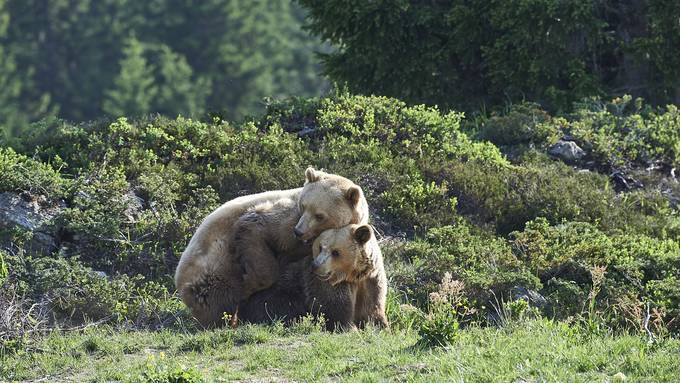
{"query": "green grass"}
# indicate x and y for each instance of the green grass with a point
(530, 351)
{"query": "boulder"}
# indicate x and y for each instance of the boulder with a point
(32, 214)
(534, 298)
(567, 151)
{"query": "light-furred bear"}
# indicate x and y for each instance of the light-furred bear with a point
(237, 248)
(344, 280)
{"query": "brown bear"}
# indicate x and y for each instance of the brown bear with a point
(237, 248)
(344, 280)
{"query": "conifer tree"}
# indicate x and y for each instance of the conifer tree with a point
(15, 113)
(179, 92)
(134, 88)
(75, 57)
(10, 89)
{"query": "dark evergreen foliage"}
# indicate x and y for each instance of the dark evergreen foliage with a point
(82, 60)
(463, 54)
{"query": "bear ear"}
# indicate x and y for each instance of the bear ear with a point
(363, 234)
(354, 195)
(312, 175)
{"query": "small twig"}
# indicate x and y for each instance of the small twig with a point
(88, 325)
(379, 235)
(650, 334)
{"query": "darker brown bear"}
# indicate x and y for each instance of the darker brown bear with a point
(344, 280)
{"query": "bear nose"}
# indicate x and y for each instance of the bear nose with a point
(297, 232)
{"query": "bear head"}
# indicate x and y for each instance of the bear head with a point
(348, 254)
(328, 201)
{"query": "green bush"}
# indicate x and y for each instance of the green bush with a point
(636, 266)
(486, 265)
(117, 227)
(19, 173)
(231, 160)
(421, 204)
(524, 123)
(621, 132)
(412, 132)
(77, 293)
(509, 197)
(135, 191)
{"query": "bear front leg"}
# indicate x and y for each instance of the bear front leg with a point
(260, 268)
(335, 303)
(257, 260)
(371, 298)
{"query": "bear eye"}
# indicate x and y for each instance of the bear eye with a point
(335, 253)
(319, 217)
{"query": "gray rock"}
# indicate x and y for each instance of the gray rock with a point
(531, 296)
(29, 214)
(100, 274)
(567, 151)
(306, 131)
(133, 205)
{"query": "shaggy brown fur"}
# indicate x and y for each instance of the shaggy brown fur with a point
(344, 280)
(238, 248)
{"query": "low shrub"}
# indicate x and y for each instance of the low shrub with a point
(423, 205)
(621, 132)
(77, 294)
(507, 198)
(19, 173)
(524, 123)
(635, 266)
(115, 226)
(406, 131)
(134, 191)
(486, 265)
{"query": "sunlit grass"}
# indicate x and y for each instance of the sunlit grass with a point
(531, 351)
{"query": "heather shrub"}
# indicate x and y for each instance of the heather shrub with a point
(485, 264)
(634, 266)
(76, 293)
(524, 123)
(18, 173)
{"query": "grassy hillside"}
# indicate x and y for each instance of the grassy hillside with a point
(523, 264)
(534, 351)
